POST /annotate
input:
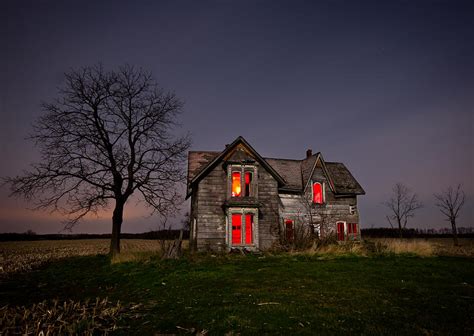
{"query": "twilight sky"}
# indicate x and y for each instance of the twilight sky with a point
(387, 87)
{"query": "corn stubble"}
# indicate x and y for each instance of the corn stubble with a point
(62, 318)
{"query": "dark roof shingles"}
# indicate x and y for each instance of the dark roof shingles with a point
(198, 160)
(343, 180)
(290, 170)
(295, 172)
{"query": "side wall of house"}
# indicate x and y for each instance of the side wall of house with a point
(326, 215)
(335, 208)
(210, 215)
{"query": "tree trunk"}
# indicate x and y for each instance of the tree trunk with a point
(400, 230)
(455, 232)
(117, 219)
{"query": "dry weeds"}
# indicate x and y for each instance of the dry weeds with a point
(424, 247)
(24, 256)
(62, 318)
(390, 246)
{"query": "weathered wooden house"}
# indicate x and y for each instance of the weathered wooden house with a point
(240, 199)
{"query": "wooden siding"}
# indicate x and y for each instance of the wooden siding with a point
(268, 211)
(334, 209)
(211, 221)
(211, 199)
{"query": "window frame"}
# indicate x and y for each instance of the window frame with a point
(349, 233)
(344, 231)
(243, 169)
(242, 212)
(323, 192)
(232, 183)
(286, 221)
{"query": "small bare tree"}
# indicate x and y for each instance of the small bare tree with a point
(402, 205)
(449, 202)
(186, 221)
(108, 136)
(308, 221)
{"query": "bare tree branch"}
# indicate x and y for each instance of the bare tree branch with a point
(108, 135)
(449, 203)
(402, 206)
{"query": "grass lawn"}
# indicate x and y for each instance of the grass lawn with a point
(282, 294)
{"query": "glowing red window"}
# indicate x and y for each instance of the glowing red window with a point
(317, 193)
(248, 181)
(289, 228)
(248, 228)
(340, 231)
(236, 189)
(354, 229)
(236, 229)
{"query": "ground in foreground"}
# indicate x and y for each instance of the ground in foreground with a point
(277, 294)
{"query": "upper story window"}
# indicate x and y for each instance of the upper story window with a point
(248, 183)
(236, 188)
(242, 181)
(318, 193)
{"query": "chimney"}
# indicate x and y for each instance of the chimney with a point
(309, 152)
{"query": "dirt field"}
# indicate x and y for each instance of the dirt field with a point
(26, 255)
(23, 256)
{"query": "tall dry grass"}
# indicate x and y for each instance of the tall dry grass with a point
(47, 318)
(422, 248)
(393, 246)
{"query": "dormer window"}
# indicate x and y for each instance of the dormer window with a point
(242, 182)
(318, 193)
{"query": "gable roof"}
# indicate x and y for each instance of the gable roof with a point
(213, 160)
(292, 175)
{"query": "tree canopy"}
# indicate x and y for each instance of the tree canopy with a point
(109, 135)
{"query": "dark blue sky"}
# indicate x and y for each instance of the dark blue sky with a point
(387, 87)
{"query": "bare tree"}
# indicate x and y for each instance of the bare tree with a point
(402, 205)
(186, 221)
(108, 136)
(449, 202)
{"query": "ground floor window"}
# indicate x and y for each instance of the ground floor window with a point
(243, 226)
(236, 229)
(352, 230)
(340, 230)
(289, 230)
(346, 230)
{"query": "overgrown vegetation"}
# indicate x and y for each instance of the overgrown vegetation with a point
(331, 290)
(25, 256)
(62, 318)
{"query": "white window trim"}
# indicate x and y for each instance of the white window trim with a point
(242, 212)
(323, 190)
(345, 229)
(194, 229)
(242, 168)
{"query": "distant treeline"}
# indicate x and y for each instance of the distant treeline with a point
(416, 233)
(30, 235)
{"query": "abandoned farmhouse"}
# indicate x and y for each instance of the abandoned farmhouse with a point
(240, 199)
